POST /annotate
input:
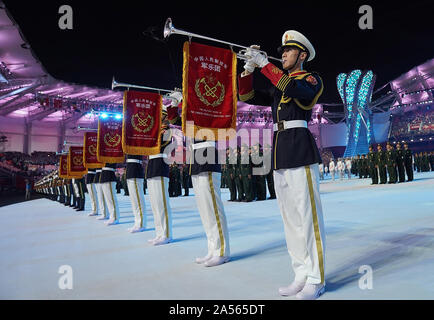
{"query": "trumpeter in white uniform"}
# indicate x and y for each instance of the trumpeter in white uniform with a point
(296, 156)
(157, 180)
(108, 186)
(90, 185)
(134, 175)
(102, 207)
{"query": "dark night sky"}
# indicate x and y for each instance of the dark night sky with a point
(107, 37)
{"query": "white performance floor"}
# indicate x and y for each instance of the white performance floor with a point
(389, 228)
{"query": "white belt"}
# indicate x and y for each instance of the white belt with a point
(134, 160)
(159, 155)
(91, 172)
(205, 144)
(283, 125)
(98, 171)
(109, 169)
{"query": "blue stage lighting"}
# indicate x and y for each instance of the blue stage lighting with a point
(104, 115)
(118, 116)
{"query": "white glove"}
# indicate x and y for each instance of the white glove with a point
(176, 98)
(256, 57)
(249, 66)
(259, 59)
(252, 51)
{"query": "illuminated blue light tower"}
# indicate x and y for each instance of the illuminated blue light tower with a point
(355, 90)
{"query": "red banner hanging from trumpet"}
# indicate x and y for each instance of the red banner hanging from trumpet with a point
(141, 123)
(209, 89)
(76, 167)
(90, 158)
(63, 167)
(109, 144)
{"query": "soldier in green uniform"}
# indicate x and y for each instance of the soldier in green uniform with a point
(416, 162)
(238, 177)
(365, 166)
(372, 159)
(353, 165)
(124, 183)
(231, 164)
(259, 174)
(246, 173)
(400, 163)
(381, 164)
(176, 180)
(223, 179)
(431, 160)
(425, 162)
(359, 166)
(269, 171)
(185, 180)
(391, 163)
(253, 180)
(408, 162)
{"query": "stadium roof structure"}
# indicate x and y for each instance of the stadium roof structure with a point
(409, 91)
(27, 90)
(415, 87)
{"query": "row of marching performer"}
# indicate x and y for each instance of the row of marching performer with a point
(209, 101)
(70, 192)
(101, 183)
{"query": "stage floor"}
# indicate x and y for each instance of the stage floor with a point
(387, 227)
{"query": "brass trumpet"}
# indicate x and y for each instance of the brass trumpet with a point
(86, 129)
(169, 29)
(70, 143)
(116, 84)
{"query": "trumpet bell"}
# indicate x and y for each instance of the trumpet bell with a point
(168, 28)
(113, 83)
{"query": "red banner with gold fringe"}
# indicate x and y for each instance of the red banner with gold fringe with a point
(209, 88)
(109, 144)
(141, 123)
(90, 158)
(63, 166)
(76, 167)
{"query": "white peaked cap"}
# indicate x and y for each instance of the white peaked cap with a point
(295, 38)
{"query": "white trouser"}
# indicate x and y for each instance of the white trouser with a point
(76, 191)
(135, 188)
(206, 186)
(349, 173)
(341, 174)
(109, 190)
(159, 197)
(101, 201)
(92, 194)
(332, 173)
(298, 196)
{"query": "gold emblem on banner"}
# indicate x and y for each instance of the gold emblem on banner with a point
(65, 167)
(112, 140)
(142, 123)
(92, 149)
(211, 86)
(78, 161)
